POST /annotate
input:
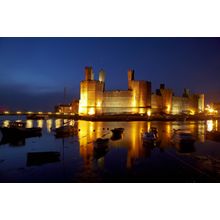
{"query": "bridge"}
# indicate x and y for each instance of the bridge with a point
(39, 114)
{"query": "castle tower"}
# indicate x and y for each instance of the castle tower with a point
(102, 76)
(89, 73)
(130, 78)
(91, 93)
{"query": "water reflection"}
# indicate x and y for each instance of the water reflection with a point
(123, 153)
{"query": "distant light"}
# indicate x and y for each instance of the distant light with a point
(18, 112)
(91, 111)
(49, 113)
(40, 113)
(29, 112)
(57, 113)
(148, 112)
(6, 112)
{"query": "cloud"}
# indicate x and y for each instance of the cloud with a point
(20, 97)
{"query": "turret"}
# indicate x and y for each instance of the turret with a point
(89, 73)
(130, 78)
(102, 76)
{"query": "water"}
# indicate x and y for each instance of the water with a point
(125, 160)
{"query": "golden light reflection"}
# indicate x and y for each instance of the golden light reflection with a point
(216, 125)
(91, 111)
(40, 123)
(58, 123)
(29, 123)
(6, 123)
(49, 123)
(98, 104)
(210, 125)
(148, 112)
(201, 131)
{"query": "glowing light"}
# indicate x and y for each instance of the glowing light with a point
(40, 113)
(40, 123)
(18, 112)
(210, 125)
(49, 113)
(91, 111)
(58, 123)
(57, 113)
(211, 110)
(6, 112)
(29, 112)
(49, 125)
(192, 112)
(29, 124)
(6, 123)
(148, 112)
(98, 104)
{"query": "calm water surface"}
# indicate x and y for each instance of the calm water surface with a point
(125, 160)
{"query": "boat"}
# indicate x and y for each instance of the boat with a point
(18, 129)
(65, 131)
(40, 158)
(101, 142)
(150, 138)
(182, 137)
(117, 133)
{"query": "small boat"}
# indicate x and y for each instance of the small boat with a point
(18, 129)
(65, 130)
(117, 130)
(40, 158)
(183, 137)
(101, 141)
(151, 137)
(117, 133)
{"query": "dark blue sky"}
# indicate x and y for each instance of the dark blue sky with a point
(34, 71)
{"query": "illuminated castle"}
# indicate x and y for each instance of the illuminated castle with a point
(138, 99)
(94, 99)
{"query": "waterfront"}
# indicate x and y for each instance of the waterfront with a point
(125, 160)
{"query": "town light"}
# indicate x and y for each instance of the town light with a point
(211, 110)
(148, 112)
(91, 111)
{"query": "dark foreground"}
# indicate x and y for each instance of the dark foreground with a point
(73, 159)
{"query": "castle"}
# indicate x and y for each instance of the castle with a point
(138, 99)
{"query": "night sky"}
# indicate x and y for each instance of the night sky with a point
(34, 71)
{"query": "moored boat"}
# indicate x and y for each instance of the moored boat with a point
(65, 130)
(183, 137)
(18, 129)
(117, 133)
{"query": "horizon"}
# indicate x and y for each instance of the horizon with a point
(35, 71)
